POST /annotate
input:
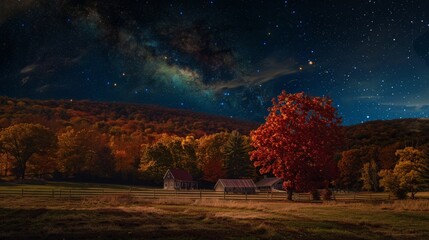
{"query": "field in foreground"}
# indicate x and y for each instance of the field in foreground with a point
(127, 217)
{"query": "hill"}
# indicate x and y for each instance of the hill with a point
(406, 132)
(116, 117)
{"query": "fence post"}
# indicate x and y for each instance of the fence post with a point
(154, 195)
(22, 192)
(201, 195)
(370, 195)
(224, 192)
(245, 192)
(60, 192)
(70, 194)
(53, 193)
(354, 196)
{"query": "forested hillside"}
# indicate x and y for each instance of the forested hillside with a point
(121, 142)
(410, 132)
(116, 117)
(379, 145)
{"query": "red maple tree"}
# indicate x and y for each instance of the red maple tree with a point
(298, 141)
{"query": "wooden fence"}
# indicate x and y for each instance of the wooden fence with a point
(191, 194)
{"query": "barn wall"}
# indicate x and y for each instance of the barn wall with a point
(219, 188)
(169, 184)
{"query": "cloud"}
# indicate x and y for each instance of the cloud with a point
(270, 70)
(29, 68)
(368, 97)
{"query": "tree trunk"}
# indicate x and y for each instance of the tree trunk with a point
(289, 194)
(22, 170)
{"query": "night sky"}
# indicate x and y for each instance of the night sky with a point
(226, 57)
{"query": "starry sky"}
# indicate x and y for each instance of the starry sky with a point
(228, 57)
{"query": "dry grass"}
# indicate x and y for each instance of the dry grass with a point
(126, 217)
(109, 200)
(218, 203)
(407, 205)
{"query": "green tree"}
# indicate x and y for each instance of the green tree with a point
(23, 141)
(237, 159)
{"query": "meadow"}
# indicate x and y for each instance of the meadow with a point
(124, 216)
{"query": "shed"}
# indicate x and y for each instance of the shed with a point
(178, 179)
(235, 186)
(269, 184)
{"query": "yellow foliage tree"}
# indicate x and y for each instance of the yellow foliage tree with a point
(405, 177)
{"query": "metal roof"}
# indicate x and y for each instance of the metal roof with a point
(268, 182)
(179, 174)
(236, 183)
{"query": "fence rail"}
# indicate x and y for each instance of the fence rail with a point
(191, 194)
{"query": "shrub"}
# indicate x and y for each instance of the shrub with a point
(326, 194)
(315, 194)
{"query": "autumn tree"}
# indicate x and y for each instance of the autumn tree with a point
(168, 152)
(189, 156)
(126, 149)
(370, 176)
(406, 176)
(85, 151)
(23, 141)
(211, 158)
(387, 156)
(424, 168)
(359, 168)
(350, 165)
(298, 141)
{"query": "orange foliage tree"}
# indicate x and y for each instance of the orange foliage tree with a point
(298, 141)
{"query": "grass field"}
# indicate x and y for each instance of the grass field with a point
(126, 217)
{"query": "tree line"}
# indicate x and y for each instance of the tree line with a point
(301, 142)
(87, 154)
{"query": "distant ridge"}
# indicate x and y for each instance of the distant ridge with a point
(125, 117)
(406, 132)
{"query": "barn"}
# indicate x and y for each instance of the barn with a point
(269, 184)
(179, 179)
(235, 186)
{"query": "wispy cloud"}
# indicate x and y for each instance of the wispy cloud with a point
(368, 97)
(270, 70)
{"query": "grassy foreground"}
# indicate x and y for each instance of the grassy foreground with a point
(125, 217)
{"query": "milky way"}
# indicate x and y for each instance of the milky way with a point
(223, 57)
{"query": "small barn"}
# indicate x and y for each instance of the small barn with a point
(235, 186)
(269, 184)
(178, 179)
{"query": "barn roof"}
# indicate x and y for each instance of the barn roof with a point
(236, 183)
(268, 182)
(180, 174)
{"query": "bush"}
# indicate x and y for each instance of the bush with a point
(326, 194)
(315, 195)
